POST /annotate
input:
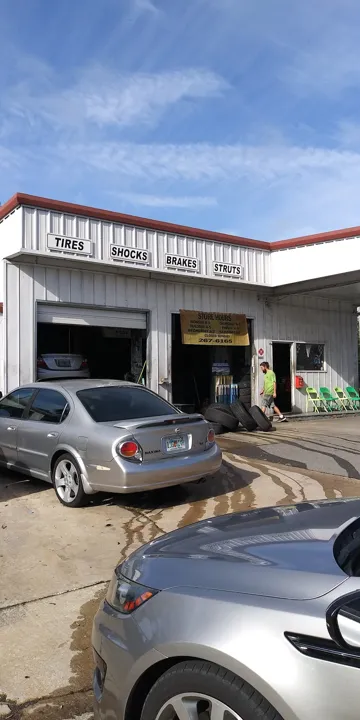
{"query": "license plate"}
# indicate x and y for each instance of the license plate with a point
(63, 363)
(175, 443)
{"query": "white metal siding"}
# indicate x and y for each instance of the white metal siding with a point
(300, 319)
(95, 317)
(10, 240)
(314, 261)
(317, 320)
(38, 223)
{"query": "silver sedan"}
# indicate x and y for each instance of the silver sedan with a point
(268, 628)
(87, 436)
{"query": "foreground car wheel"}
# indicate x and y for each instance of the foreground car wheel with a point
(66, 477)
(202, 691)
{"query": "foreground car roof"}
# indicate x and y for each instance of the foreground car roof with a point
(277, 552)
(82, 384)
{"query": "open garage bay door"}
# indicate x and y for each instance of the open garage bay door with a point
(94, 317)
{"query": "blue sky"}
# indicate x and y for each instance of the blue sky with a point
(235, 115)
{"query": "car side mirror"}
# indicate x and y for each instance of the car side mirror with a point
(343, 621)
(1, 395)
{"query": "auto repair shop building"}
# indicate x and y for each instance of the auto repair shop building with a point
(109, 286)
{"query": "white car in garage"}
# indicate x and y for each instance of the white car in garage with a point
(57, 366)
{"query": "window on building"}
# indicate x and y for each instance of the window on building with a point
(49, 406)
(13, 405)
(310, 357)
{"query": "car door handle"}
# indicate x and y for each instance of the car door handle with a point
(11, 427)
(52, 434)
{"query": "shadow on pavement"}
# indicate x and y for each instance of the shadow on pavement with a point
(228, 479)
(16, 485)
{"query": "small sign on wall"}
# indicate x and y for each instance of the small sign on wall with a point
(75, 246)
(181, 262)
(211, 328)
(228, 270)
(128, 254)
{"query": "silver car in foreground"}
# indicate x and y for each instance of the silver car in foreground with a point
(87, 436)
(252, 616)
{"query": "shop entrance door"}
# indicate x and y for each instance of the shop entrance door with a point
(282, 370)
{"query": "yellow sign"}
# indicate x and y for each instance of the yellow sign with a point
(211, 328)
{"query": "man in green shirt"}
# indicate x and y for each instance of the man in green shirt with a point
(269, 391)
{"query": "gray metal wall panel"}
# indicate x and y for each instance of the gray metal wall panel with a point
(300, 319)
(38, 223)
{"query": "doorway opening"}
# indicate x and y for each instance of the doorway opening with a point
(108, 352)
(282, 370)
(194, 369)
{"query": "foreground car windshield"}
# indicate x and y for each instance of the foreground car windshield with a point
(114, 403)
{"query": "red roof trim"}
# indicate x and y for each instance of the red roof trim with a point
(314, 239)
(111, 216)
(159, 226)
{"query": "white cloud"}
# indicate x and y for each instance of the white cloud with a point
(145, 6)
(324, 55)
(145, 200)
(348, 134)
(269, 192)
(324, 70)
(9, 159)
(201, 162)
(104, 98)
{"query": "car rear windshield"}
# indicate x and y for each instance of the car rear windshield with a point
(115, 403)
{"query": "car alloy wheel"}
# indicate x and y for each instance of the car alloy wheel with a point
(67, 481)
(197, 690)
(195, 706)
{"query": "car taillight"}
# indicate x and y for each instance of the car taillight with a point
(126, 596)
(41, 363)
(130, 450)
(211, 436)
(84, 365)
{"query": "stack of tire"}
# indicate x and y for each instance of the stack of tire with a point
(227, 418)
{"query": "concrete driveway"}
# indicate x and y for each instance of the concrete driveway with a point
(56, 562)
(328, 445)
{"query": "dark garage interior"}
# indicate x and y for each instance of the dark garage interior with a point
(192, 365)
(110, 352)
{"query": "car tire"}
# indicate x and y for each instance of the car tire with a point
(215, 687)
(243, 415)
(218, 428)
(66, 479)
(260, 418)
(221, 414)
(220, 406)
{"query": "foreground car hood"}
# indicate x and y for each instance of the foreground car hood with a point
(282, 552)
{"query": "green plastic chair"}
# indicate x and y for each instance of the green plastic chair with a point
(330, 401)
(313, 400)
(353, 396)
(343, 399)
